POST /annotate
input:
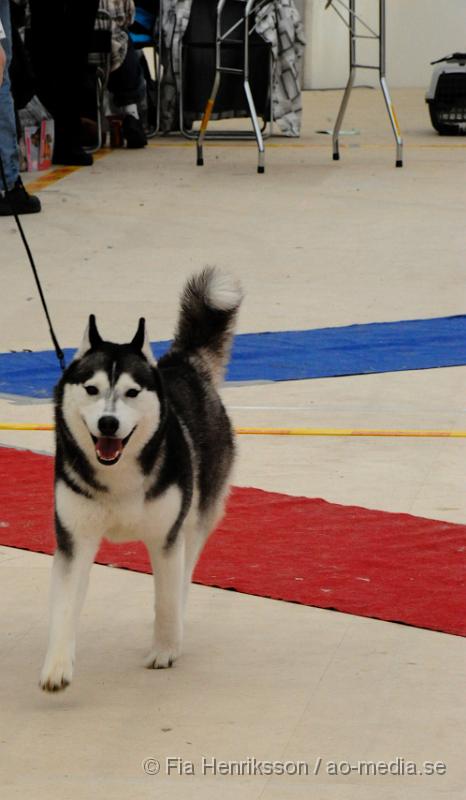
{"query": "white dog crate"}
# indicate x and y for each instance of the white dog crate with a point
(446, 97)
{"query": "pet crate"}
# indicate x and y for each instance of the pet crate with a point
(446, 96)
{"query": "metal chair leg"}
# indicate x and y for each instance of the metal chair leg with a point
(256, 126)
(393, 121)
(205, 120)
(341, 114)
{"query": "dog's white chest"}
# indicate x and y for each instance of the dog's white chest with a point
(119, 516)
(134, 517)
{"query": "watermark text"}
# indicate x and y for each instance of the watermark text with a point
(212, 766)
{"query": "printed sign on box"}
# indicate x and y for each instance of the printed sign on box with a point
(32, 139)
(37, 137)
(46, 143)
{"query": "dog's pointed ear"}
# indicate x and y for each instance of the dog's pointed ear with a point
(95, 338)
(141, 342)
(90, 340)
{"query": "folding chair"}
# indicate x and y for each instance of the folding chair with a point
(360, 30)
(221, 45)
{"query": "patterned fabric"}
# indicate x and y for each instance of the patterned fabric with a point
(279, 24)
(175, 18)
(119, 15)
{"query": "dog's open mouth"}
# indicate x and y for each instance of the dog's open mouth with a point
(108, 449)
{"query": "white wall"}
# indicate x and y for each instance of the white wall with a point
(418, 31)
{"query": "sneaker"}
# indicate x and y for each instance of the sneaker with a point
(18, 201)
(133, 132)
(72, 157)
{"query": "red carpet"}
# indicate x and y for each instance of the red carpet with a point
(393, 567)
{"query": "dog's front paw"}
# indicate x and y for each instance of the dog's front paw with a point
(160, 658)
(56, 674)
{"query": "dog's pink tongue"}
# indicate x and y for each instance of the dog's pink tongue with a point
(108, 448)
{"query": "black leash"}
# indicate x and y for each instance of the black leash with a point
(59, 352)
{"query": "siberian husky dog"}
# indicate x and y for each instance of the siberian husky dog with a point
(144, 451)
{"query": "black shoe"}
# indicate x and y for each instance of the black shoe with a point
(18, 201)
(133, 132)
(72, 157)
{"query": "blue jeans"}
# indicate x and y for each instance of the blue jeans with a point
(8, 141)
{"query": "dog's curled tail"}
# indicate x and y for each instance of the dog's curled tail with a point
(209, 306)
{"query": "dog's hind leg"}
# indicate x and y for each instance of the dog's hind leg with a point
(195, 538)
(194, 542)
(168, 569)
(70, 576)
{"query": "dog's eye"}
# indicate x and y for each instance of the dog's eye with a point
(91, 389)
(132, 393)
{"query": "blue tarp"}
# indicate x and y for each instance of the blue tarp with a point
(290, 355)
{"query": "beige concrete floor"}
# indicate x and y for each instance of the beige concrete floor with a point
(315, 244)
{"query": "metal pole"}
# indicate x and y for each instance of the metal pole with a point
(211, 101)
(248, 93)
(349, 85)
(384, 85)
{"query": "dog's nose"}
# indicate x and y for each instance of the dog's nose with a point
(108, 425)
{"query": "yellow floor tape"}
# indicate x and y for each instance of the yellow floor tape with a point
(419, 434)
(350, 432)
(57, 173)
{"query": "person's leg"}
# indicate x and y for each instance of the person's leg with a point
(60, 36)
(44, 41)
(8, 141)
(127, 87)
(79, 21)
(14, 197)
(127, 82)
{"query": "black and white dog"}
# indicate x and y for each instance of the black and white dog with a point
(144, 450)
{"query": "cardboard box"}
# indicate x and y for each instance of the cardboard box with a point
(38, 145)
(32, 140)
(46, 143)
